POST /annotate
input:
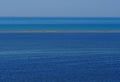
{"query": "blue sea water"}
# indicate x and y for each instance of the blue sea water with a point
(60, 57)
(36, 23)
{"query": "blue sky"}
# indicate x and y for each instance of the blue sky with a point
(60, 8)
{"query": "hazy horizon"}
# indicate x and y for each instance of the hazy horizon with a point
(59, 8)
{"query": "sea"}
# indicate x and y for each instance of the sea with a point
(59, 57)
(53, 23)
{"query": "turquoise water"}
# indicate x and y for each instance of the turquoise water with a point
(59, 57)
(17, 23)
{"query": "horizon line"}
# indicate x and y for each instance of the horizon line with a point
(49, 17)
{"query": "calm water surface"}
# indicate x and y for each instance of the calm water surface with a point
(59, 57)
(36, 23)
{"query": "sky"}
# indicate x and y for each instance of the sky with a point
(60, 8)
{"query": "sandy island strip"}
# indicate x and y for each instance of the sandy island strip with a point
(59, 31)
